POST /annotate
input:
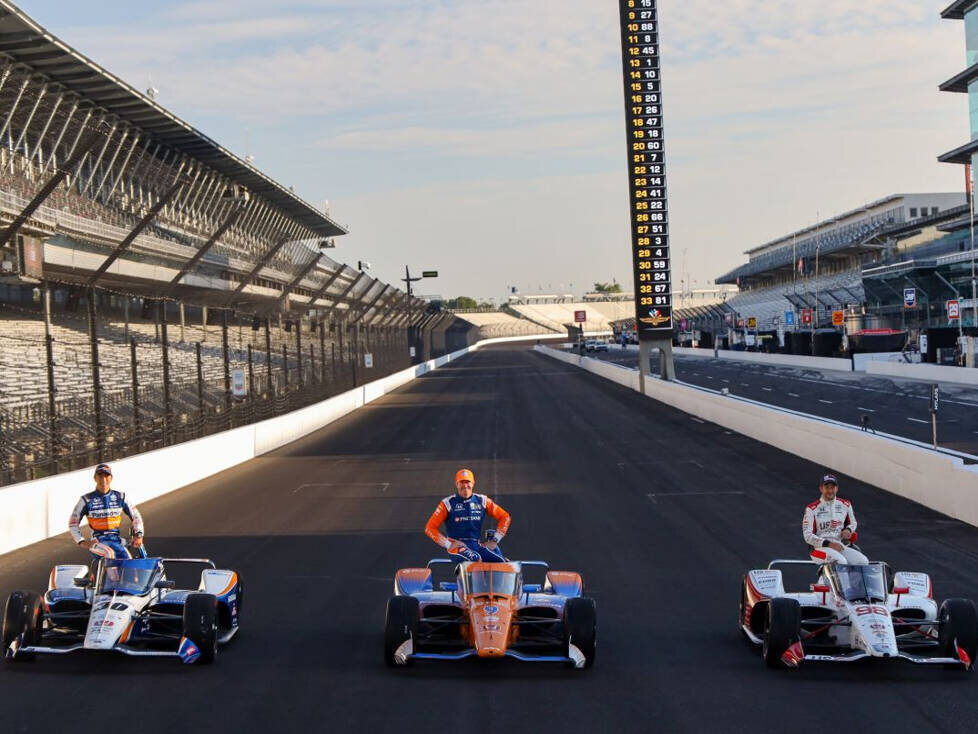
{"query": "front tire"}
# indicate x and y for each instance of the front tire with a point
(200, 625)
(23, 614)
(959, 630)
(782, 624)
(581, 627)
(401, 625)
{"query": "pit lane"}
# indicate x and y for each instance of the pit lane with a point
(661, 513)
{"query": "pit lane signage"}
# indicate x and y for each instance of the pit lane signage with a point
(953, 310)
(789, 318)
(752, 322)
(909, 297)
(838, 318)
(648, 209)
(580, 317)
(806, 316)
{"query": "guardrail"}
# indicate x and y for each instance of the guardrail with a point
(943, 480)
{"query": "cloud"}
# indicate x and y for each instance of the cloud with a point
(773, 111)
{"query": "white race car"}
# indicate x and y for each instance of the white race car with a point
(127, 606)
(854, 612)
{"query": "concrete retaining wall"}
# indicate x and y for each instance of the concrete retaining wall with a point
(782, 360)
(32, 511)
(937, 480)
(930, 372)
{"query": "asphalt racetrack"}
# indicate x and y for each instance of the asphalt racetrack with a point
(660, 512)
(899, 407)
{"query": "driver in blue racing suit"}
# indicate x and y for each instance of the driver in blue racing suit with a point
(104, 508)
(463, 514)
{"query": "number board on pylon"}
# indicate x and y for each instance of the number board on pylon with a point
(649, 212)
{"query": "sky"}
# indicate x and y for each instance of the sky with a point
(485, 139)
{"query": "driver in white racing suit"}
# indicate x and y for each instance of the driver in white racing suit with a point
(829, 525)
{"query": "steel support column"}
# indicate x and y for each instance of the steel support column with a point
(53, 439)
(96, 376)
(262, 261)
(192, 262)
(47, 189)
(298, 279)
(165, 346)
(143, 223)
(137, 428)
(226, 357)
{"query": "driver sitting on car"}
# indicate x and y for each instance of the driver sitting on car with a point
(104, 508)
(462, 514)
(829, 526)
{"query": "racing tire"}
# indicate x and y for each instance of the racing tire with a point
(581, 627)
(401, 625)
(200, 625)
(958, 629)
(782, 624)
(23, 614)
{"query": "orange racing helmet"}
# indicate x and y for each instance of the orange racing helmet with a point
(464, 474)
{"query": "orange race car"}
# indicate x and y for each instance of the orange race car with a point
(489, 612)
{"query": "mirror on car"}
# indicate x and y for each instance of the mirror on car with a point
(448, 586)
(165, 584)
(532, 588)
(83, 582)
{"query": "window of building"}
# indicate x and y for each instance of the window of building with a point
(934, 210)
(913, 212)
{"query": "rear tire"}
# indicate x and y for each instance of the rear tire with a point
(959, 629)
(401, 625)
(200, 625)
(782, 624)
(23, 614)
(581, 627)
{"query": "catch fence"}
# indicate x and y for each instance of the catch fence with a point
(153, 373)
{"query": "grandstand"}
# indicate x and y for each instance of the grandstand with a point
(495, 324)
(556, 313)
(820, 267)
(143, 266)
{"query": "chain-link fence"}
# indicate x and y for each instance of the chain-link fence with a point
(155, 373)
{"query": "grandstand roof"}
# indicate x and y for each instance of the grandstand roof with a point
(959, 82)
(957, 9)
(27, 43)
(961, 154)
(821, 226)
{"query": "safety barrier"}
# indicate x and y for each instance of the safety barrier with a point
(935, 479)
(931, 372)
(778, 360)
(38, 509)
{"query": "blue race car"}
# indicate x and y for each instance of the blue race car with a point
(128, 606)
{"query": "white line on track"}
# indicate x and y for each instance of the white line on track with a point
(767, 389)
(917, 420)
(383, 485)
(868, 410)
(793, 395)
(694, 418)
(726, 380)
(745, 384)
(653, 495)
(827, 402)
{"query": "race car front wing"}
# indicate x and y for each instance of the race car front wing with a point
(405, 652)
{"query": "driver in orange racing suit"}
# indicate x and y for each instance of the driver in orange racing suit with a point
(463, 514)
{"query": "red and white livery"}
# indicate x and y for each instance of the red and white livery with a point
(855, 611)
